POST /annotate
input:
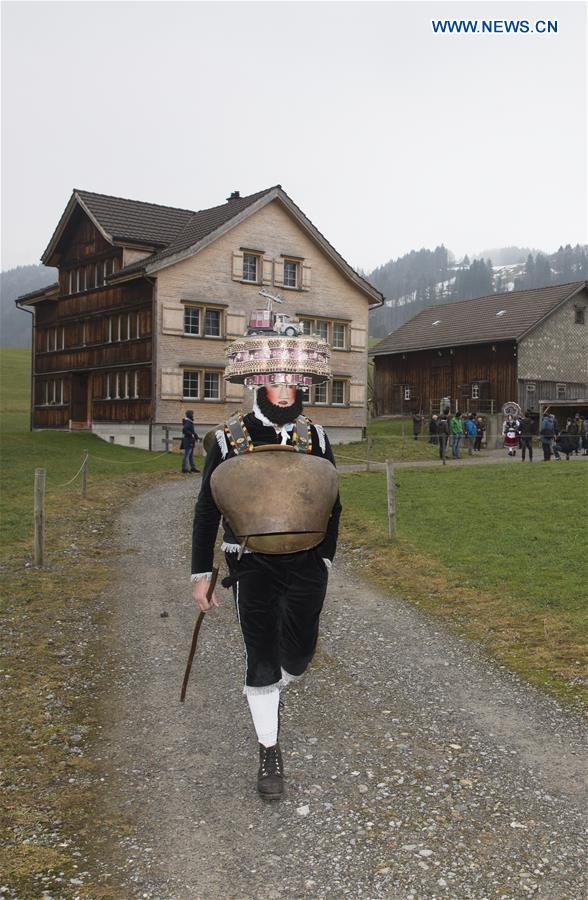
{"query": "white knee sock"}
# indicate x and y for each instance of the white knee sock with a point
(264, 712)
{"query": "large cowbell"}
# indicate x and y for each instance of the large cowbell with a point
(275, 499)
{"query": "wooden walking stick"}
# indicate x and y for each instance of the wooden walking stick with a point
(197, 627)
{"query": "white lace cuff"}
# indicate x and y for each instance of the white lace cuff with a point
(200, 575)
(328, 563)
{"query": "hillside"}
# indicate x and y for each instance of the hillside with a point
(15, 325)
(426, 278)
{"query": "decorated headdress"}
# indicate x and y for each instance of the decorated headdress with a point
(277, 353)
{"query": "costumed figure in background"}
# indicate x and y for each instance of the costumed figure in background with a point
(510, 433)
(271, 475)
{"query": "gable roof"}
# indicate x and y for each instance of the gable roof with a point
(499, 317)
(174, 234)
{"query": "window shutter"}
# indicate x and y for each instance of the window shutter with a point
(235, 324)
(172, 319)
(279, 271)
(268, 270)
(237, 266)
(358, 338)
(356, 394)
(171, 384)
(305, 277)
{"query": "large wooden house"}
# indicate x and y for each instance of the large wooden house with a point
(526, 346)
(148, 297)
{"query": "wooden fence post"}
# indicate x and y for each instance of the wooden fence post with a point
(391, 498)
(369, 452)
(85, 463)
(39, 543)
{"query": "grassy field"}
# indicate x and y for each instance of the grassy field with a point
(496, 552)
(54, 669)
(60, 453)
(499, 551)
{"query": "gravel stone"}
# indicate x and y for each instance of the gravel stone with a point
(462, 764)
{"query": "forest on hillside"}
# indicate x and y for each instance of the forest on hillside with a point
(424, 278)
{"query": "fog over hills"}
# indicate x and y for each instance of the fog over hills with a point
(15, 325)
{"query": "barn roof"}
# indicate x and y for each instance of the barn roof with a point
(499, 317)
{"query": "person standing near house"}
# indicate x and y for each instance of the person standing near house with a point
(456, 435)
(471, 431)
(279, 591)
(526, 428)
(443, 433)
(433, 428)
(510, 434)
(417, 425)
(547, 436)
(189, 438)
(479, 434)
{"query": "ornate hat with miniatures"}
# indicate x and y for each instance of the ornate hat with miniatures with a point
(275, 351)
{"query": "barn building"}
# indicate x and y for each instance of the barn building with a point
(526, 346)
(149, 296)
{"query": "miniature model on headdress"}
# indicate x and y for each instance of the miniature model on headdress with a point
(280, 514)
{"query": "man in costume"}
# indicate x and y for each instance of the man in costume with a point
(279, 592)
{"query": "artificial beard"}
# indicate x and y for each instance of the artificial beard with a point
(279, 415)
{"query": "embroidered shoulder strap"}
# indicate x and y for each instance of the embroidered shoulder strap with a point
(237, 435)
(302, 435)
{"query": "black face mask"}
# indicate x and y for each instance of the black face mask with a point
(279, 415)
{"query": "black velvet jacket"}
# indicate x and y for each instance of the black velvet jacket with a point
(207, 515)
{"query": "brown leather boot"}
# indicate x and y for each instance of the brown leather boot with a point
(270, 778)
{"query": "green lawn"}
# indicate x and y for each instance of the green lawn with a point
(500, 549)
(391, 439)
(59, 453)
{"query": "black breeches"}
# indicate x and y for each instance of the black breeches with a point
(527, 444)
(279, 600)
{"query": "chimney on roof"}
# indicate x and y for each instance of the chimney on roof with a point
(234, 196)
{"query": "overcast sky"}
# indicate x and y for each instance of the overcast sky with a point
(388, 136)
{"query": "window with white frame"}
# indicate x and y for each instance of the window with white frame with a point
(191, 387)
(338, 392)
(339, 334)
(560, 391)
(320, 393)
(291, 273)
(135, 385)
(251, 267)
(475, 391)
(211, 386)
(108, 387)
(531, 387)
(110, 329)
(321, 329)
(120, 386)
(203, 321)
(137, 325)
(406, 392)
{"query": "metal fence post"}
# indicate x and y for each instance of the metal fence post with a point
(391, 498)
(39, 542)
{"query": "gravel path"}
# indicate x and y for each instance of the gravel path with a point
(416, 768)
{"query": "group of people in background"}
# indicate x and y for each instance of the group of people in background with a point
(467, 429)
(573, 438)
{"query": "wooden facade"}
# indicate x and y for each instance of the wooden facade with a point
(476, 378)
(92, 343)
